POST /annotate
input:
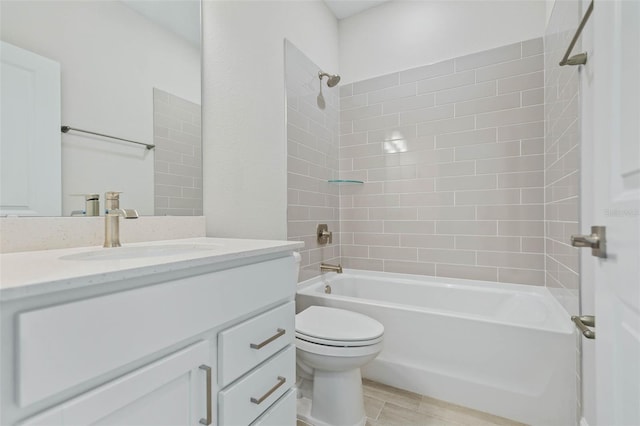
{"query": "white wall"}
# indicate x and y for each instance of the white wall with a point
(404, 34)
(111, 58)
(244, 108)
(549, 4)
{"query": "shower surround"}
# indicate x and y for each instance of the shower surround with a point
(452, 156)
(312, 160)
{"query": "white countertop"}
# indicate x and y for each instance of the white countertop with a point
(39, 272)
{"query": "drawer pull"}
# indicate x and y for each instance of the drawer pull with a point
(280, 332)
(281, 381)
(209, 418)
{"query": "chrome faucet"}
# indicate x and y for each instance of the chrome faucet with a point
(112, 215)
(328, 267)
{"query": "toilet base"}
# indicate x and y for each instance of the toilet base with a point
(337, 400)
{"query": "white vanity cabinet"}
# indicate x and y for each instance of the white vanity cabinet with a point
(205, 345)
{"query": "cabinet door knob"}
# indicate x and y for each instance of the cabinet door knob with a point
(209, 418)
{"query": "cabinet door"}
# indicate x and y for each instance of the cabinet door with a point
(171, 391)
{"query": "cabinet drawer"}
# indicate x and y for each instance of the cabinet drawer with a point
(247, 399)
(242, 347)
(282, 413)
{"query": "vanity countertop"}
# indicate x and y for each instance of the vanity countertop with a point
(35, 273)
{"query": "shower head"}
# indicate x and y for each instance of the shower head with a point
(332, 80)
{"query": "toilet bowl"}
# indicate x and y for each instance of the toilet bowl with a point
(331, 346)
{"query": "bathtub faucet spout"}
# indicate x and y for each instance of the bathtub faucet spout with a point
(328, 267)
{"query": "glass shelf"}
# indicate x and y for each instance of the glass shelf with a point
(344, 181)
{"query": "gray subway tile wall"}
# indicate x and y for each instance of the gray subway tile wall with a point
(562, 160)
(177, 155)
(312, 159)
(453, 159)
(562, 141)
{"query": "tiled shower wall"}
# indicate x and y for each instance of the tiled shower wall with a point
(452, 159)
(562, 167)
(562, 157)
(312, 160)
(177, 134)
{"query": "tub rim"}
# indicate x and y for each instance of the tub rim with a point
(558, 327)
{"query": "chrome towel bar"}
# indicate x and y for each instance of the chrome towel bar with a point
(580, 58)
(66, 129)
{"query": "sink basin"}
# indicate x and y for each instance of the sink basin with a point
(138, 252)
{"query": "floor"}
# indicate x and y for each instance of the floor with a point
(388, 406)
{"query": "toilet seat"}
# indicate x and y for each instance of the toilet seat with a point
(338, 343)
(338, 351)
(337, 327)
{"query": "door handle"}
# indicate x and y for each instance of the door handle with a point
(583, 323)
(596, 241)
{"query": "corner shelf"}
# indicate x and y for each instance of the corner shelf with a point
(345, 181)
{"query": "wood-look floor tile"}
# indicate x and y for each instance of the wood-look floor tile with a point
(388, 406)
(372, 407)
(390, 394)
(395, 415)
(459, 415)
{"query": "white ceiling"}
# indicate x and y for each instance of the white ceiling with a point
(345, 8)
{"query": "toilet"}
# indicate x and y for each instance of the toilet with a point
(331, 346)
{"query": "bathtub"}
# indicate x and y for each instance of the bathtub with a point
(506, 349)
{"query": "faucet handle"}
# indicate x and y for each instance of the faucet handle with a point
(323, 234)
(130, 213)
(112, 195)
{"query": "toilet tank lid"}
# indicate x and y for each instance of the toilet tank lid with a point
(337, 324)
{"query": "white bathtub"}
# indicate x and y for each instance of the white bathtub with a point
(506, 349)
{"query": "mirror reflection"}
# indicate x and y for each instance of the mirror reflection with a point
(124, 69)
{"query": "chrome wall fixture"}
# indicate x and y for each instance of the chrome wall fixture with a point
(327, 267)
(323, 234)
(66, 129)
(332, 79)
(596, 241)
(580, 58)
(583, 323)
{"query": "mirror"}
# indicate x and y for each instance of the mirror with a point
(128, 69)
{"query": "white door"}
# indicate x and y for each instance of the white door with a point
(30, 152)
(616, 169)
(171, 391)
